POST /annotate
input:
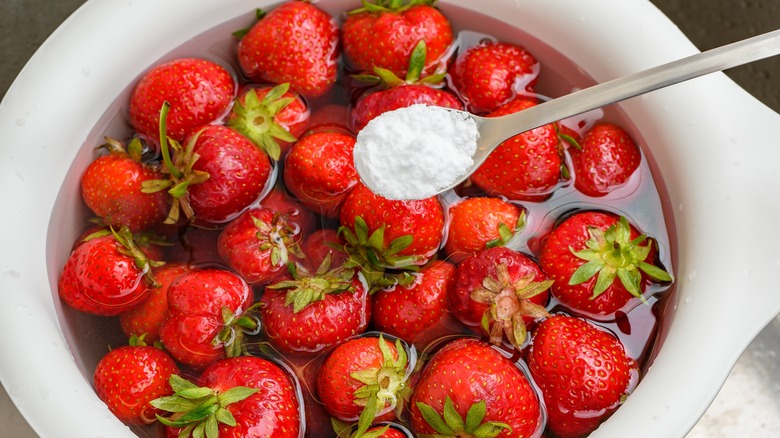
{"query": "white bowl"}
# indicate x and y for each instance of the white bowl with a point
(709, 139)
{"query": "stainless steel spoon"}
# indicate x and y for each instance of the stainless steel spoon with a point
(493, 131)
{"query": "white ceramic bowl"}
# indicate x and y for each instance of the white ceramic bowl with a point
(710, 140)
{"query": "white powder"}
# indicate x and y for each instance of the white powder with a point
(415, 152)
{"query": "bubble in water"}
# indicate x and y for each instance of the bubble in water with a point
(21, 122)
(692, 275)
(687, 300)
(86, 71)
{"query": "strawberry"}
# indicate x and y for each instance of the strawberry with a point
(297, 43)
(587, 252)
(606, 159)
(323, 243)
(111, 186)
(470, 389)
(107, 274)
(237, 397)
(272, 117)
(207, 314)
(131, 376)
(383, 234)
(491, 74)
(199, 92)
(524, 167)
(259, 243)
(384, 33)
(479, 223)
(395, 93)
(147, 318)
(582, 372)
(294, 211)
(306, 312)
(500, 291)
(363, 374)
(408, 311)
(320, 170)
(371, 105)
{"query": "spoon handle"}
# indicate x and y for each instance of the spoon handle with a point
(616, 90)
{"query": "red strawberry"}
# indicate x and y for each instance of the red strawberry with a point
(129, 377)
(259, 244)
(216, 175)
(582, 372)
(384, 33)
(501, 291)
(384, 234)
(107, 274)
(489, 74)
(199, 91)
(237, 174)
(320, 170)
(468, 386)
(407, 311)
(587, 252)
(400, 93)
(363, 374)
(207, 312)
(323, 243)
(524, 167)
(605, 161)
(480, 223)
(111, 187)
(373, 104)
(297, 43)
(309, 311)
(147, 318)
(238, 397)
(272, 117)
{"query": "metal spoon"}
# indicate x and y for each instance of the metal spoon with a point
(494, 130)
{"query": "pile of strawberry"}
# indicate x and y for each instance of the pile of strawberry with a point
(266, 292)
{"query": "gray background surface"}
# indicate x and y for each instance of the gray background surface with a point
(749, 402)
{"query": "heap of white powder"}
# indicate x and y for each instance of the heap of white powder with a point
(415, 152)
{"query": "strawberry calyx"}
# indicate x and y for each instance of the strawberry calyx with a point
(306, 287)
(451, 423)
(381, 265)
(235, 327)
(344, 430)
(389, 6)
(133, 150)
(611, 254)
(388, 79)
(509, 302)
(505, 234)
(199, 410)
(382, 386)
(180, 171)
(255, 118)
(127, 246)
(279, 237)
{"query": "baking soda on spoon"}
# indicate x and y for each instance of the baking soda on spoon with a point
(416, 151)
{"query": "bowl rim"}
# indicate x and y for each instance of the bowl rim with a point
(80, 81)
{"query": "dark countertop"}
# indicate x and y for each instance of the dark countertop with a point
(748, 404)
